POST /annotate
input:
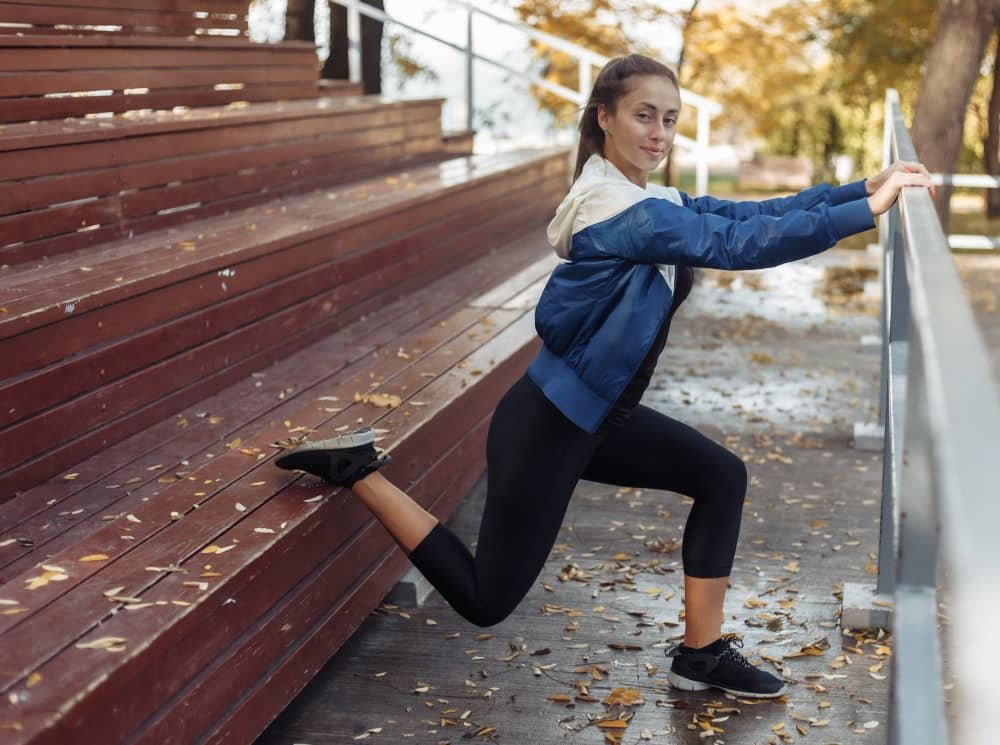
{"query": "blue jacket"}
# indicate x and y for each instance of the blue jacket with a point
(601, 309)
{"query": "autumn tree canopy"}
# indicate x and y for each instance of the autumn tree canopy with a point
(805, 76)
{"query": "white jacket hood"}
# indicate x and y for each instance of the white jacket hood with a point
(600, 192)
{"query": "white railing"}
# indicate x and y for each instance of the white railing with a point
(974, 181)
(588, 60)
(940, 410)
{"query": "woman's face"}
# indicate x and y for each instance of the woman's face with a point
(639, 133)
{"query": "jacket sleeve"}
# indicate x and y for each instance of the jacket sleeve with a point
(658, 231)
(804, 200)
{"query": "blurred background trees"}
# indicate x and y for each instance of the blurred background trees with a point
(808, 77)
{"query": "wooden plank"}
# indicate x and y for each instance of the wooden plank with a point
(52, 343)
(55, 15)
(26, 60)
(252, 290)
(219, 175)
(258, 706)
(169, 587)
(58, 459)
(31, 135)
(408, 206)
(227, 6)
(151, 545)
(320, 599)
(14, 84)
(13, 39)
(383, 323)
(127, 397)
(70, 159)
(24, 109)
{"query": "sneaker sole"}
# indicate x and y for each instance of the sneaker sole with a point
(686, 684)
(340, 442)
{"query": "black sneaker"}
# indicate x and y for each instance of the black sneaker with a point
(719, 665)
(342, 460)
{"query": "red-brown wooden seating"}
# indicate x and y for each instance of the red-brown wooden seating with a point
(99, 345)
(54, 76)
(212, 632)
(125, 17)
(186, 288)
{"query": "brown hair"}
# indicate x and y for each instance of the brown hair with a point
(611, 85)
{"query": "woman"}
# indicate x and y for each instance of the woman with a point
(604, 317)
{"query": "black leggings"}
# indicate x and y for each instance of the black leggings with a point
(535, 456)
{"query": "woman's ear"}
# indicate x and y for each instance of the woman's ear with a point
(602, 116)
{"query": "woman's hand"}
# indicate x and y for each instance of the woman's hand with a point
(888, 190)
(873, 183)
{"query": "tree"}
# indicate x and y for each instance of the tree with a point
(599, 25)
(963, 30)
(991, 143)
(687, 22)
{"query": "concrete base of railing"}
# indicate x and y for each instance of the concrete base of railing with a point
(411, 591)
(863, 608)
(868, 436)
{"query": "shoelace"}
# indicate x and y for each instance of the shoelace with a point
(730, 642)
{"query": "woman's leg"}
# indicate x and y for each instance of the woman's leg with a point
(534, 460)
(405, 519)
(654, 451)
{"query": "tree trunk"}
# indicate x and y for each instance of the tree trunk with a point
(688, 19)
(991, 146)
(963, 29)
(371, 48)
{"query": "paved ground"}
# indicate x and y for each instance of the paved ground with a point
(762, 362)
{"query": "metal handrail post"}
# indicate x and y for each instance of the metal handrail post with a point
(469, 108)
(701, 157)
(588, 59)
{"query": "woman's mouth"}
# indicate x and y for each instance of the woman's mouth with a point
(653, 152)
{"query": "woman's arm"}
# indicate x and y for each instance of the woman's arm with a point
(777, 206)
(655, 230)
(658, 231)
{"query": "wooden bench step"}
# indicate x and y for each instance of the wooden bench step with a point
(51, 75)
(52, 515)
(71, 185)
(136, 361)
(307, 562)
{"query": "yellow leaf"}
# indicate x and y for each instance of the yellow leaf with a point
(623, 696)
(70, 476)
(94, 557)
(104, 642)
(33, 679)
(613, 724)
(382, 400)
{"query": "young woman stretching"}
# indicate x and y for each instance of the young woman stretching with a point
(604, 317)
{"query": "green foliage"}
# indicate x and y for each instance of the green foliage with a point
(806, 76)
(599, 25)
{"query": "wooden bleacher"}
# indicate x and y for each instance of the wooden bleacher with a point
(186, 288)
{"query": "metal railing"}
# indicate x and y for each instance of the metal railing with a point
(587, 59)
(975, 181)
(941, 479)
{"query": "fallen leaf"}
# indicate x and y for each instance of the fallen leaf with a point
(94, 557)
(111, 643)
